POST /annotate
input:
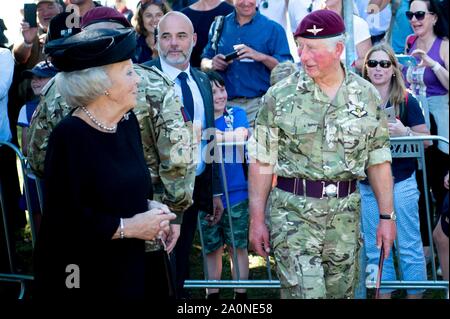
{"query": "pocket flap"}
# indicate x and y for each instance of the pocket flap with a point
(306, 126)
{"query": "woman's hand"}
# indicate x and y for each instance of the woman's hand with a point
(148, 225)
(397, 129)
(425, 61)
(154, 204)
(170, 237)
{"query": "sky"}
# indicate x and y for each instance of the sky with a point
(10, 13)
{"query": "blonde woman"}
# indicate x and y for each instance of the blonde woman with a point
(381, 68)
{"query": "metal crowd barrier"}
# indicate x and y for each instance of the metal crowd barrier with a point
(413, 147)
(14, 275)
(206, 283)
(401, 147)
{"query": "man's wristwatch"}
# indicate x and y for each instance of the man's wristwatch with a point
(391, 216)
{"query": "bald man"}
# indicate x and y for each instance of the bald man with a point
(176, 39)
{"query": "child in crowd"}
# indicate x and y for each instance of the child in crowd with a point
(231, 126)
(40, 75)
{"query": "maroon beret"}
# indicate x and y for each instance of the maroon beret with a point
(104, 14)
(320, 24)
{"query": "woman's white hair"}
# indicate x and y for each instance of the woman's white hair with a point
(79, 88)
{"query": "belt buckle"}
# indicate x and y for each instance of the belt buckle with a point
(330, 190)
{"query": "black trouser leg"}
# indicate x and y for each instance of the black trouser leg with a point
(158, 277)
(437, 168)
(183, 248)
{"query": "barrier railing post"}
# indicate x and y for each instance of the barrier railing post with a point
(427, 208)
(5, 228)
(230, 220)
(29, 203)
(413, 147)
(38, 182)
(14, 276)
(202, 243)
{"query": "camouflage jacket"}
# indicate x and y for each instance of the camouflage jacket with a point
(167, 140)
(51, 110)
(304, 134)
(165, 136)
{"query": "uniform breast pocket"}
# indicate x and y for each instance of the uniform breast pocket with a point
(297, 133)
(354, 138)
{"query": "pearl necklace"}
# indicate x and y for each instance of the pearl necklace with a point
(98, 123)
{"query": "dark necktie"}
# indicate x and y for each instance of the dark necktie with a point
(188, 100)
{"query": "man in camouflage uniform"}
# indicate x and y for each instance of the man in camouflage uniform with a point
(166, 137)
(319, 131)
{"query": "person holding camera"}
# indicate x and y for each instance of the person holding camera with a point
(257, 45)
(29, 51)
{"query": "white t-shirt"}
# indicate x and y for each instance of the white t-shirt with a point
(360, 33)
(23, 119)
(379, 21)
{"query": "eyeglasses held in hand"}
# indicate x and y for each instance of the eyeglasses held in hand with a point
(383, 63)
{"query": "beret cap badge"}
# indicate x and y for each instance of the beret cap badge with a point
(315, 30)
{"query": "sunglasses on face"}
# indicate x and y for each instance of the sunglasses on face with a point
(383, 63)
(420, 15)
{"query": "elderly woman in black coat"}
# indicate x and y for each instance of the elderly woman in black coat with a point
(98, 209)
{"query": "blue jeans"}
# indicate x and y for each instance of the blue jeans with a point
(412, 260)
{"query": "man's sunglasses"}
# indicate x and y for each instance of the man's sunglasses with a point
(420, 15)
(383, 63)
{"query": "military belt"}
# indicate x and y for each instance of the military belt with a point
(317, 189)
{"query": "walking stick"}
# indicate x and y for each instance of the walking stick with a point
(380, 271)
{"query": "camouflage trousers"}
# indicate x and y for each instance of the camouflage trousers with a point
(316, 243)
(216, 236)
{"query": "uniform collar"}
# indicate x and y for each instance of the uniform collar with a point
(307, 84)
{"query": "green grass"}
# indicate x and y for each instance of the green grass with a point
(258, 271)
